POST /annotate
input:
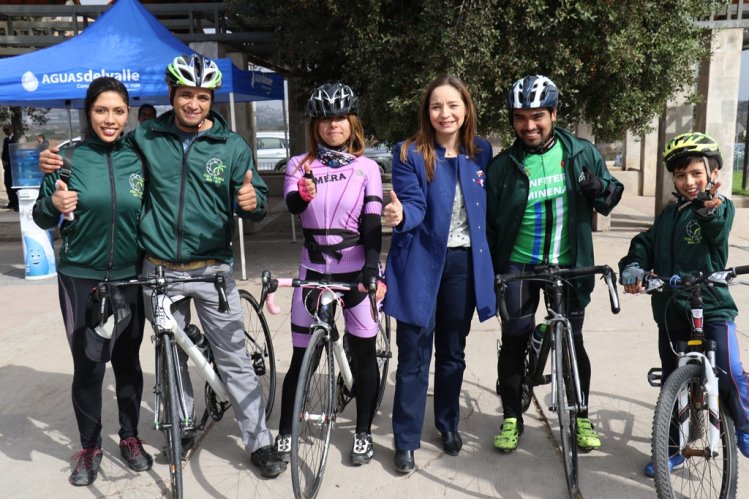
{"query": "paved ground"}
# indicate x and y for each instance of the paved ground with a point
(38, 435)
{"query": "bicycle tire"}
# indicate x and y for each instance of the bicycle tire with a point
(700, 475)
(314, 415)
(170, 415)
(259, 346)
(383, 355)
(566, 409)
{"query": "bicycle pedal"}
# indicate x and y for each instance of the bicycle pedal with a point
(655, 375)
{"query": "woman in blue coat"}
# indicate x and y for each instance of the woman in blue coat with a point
(438, 269)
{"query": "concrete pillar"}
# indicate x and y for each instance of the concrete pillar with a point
(722, 74)
(631, 152)
(649, 158)
(678, 119)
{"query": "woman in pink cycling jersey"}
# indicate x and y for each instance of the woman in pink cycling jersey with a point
(337, 193)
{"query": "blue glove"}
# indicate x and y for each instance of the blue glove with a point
(632, 274)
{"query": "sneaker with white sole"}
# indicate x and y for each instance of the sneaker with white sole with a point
(363, 449)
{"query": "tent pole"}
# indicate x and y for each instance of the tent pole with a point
(68, 105)
(288, 153)
(240, 222)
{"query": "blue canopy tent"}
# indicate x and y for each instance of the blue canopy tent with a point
(128, 43)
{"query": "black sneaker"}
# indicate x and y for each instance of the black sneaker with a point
(270, 463)
(87, 466)
(283, 447)
(136, 457)
(363, 450)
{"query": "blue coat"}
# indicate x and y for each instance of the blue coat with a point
(419, 245)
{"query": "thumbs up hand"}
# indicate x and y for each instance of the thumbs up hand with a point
(393, 212)
(64, 200)
(306, 184)
(246, 196)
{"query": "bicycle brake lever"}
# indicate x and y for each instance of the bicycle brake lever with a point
(223, 302)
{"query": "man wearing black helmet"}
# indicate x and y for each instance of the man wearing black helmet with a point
(199, 174)
(541, 194)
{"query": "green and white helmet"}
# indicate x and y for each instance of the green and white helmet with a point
(193, 71)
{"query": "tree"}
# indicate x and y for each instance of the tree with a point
(616, 63)
(14, 116)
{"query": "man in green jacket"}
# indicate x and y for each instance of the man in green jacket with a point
(541, 194)
(199, 174)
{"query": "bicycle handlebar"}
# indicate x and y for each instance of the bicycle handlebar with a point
(158, 280)
(550, 274)
(655, 283)
(271, 285)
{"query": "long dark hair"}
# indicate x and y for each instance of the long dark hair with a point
(426, 137)
(98, 87)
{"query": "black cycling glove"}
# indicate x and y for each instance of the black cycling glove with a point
(590, 185)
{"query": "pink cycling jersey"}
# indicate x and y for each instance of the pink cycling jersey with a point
(344, 194)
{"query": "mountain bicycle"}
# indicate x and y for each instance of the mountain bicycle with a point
(171, 415)
(567, 399)
(690, 420)
(320, 394)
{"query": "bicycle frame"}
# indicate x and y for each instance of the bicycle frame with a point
(165, 323)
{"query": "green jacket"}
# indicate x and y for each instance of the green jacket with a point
(101, 242)
(681, 242)
(191, 196)
(507, 197)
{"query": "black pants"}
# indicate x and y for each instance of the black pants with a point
(8, 181)
(88, 376)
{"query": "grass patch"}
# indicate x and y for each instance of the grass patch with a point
(737, 191)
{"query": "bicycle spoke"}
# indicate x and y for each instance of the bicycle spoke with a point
(314, 417)
(687, 436)
(566, 408)
(259, 346)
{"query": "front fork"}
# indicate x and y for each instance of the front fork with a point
(709, 381)
(564, 325)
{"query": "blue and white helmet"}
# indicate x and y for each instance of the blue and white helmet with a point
(533, 92)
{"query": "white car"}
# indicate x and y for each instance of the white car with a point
(271, 148)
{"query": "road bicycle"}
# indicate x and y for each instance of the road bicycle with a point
(690, 420)
(321, 394)
(567, 399)
(171, 415)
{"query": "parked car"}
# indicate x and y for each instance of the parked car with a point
(379, 154)
(270, 148)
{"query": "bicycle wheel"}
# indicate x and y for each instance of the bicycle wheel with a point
(259, 347)
(702, 474)
(566, 408)
(169, 416)
(383, 354)
(314, 406)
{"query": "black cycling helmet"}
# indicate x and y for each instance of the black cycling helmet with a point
(691, 144)
(331, 100)
(193, 70)
(532, 92)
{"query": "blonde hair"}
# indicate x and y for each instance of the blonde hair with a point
(354, 145)
(425, 137)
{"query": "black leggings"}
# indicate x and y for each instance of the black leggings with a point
(363, 352)
(88, 376)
